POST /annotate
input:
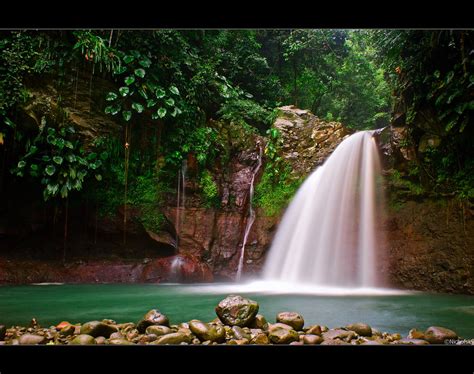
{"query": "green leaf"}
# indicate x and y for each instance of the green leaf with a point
(104, 155)
(72, 173)
(174, 90)
(120, 70)
(50, 169)
(140, 72)
(161, 112)
(112, 109)
(145, 62)
(450, 125)
(138, 107)
(142, 93)
(437, 74)
(69, 145)
(151, 103)
(128, 59)
(64, 191)
(58, 160)
(160, 93)
(127, 115)
(34, 167)
(98, 177)
(129, 80)
(46, 158)
(169, 102)
(21, 164)
(111, 96)
(71, 158)
(176, 111)
(124, 91)
(9, 123)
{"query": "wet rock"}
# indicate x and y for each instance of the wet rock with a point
(62, 325)
(126, 327)
(32, 339)
(100, 340)
(120, 341)
(280, 333)
(339, 334)
(437, 335)
(158, 330)
(361, 329)
(236, 310)
(260, 338)
(67, 330)
(116, 335)
(259, 322)
(83, 339)
(412, 342)
(207, 331)
(153, 317)
(312, 339)
(174, 338)
(3, 331)
(240, 333)
(334, 342)
(292, 319)
(416, 334)
(96, 328)
(314, 330)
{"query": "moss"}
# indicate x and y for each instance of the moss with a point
(209, 190)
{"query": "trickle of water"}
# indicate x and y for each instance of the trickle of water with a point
(327, 234)
(181, 199)
(251, 217)
(175, 269)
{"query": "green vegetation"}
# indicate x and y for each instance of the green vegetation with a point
(209, 190)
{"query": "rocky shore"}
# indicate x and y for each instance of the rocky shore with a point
(237, 323)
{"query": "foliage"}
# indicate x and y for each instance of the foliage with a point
(56, 157)
(209, 189)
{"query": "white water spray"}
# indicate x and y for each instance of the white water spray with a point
(251, 217)
(327, 235)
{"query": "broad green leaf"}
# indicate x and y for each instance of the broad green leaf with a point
(140, 72)
(151, 103)
(138, 107)
(142, 93)
(46, 158)
(160, 93)
(69, 145)
(98, 177)
(34, 167)
(9, 123)
(21, 164)
(127, 115)
(58, 160)
(71, 158)
(64, 191)
(111, 96)
(145, 62)
(124, 91)
(155, 116)
(50, 169)
(120, 70)
(104, 155)
(174, 90)
(169, 102)
(129, 80)
(161, 112)
(128, 59)
(112, 109)
(72, 173)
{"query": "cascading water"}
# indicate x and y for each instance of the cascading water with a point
(327, 234)
(180, 200)
(175, 269)
(251, 217)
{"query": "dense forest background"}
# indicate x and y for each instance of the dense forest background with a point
(176, 92)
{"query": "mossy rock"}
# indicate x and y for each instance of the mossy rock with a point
(236, 310)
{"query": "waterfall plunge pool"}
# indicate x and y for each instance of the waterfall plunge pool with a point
(386, 310)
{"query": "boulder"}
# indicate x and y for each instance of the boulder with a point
(312, 339)
(29, 339)
(314, 330)
(259, 322)
(236, 310)
(207, 331)
(96, 328)
(153, 317)
(293, 319)
(158, 330)
(83, 339)
(437, 335)
(361, 329)
(280, 333)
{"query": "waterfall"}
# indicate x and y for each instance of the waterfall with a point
(327, 234)
(251, 216)
(180, 200)
(175, 269)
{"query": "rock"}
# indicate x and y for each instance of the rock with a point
(158, 330)
(236, 310)
(153, 317)
(174, 338)
(412, 342)
(83, 339)
(312, 339)
(334, 342)
(292, 319)
(67, 330)
(120, 341)
(260, 338)
(96, 328)
(126, 327)
(281, 334)
(116, 335)
(339, 334)
(361, 329)
(240, 333)
(437, 335)
(62, 325)
(3, 331)
(416, 334)
(259, 322)
(32, 339)
(207, 331)
(100, 340)
(314, 330)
